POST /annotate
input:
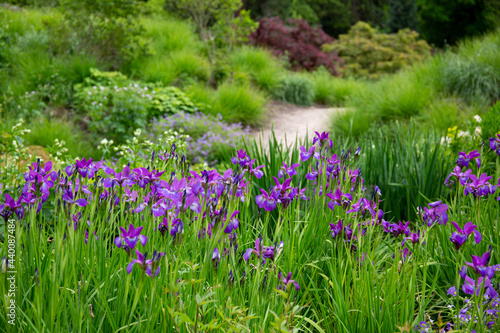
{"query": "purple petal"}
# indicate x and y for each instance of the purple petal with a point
(247, 254)
(81, 202)
(143, 239)
(119, 241)
(130, 266)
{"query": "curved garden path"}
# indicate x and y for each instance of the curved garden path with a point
(290, 121)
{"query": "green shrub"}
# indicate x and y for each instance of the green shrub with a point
(168, 35)
(368, 53)
(238, 103)
(108, 29)
(490, 124)
(114, 106)
(200, 94)
(295, 89)
(222, 24)
(170, 100)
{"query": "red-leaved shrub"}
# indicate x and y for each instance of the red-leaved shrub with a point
(299, 41)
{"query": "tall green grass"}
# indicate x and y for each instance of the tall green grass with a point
(176, 52)
(408, 163)
(263, 68)
(333, 91)
(239, 103)
(44, 133)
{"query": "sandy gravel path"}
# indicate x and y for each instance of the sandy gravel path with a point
(290, 121)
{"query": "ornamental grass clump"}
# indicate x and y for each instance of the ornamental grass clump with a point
(144, 243)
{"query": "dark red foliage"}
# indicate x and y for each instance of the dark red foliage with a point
(299, 41)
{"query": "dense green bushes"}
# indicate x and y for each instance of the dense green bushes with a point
(115, 107)
(447, 87)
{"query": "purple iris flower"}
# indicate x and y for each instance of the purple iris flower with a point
(414, 238)
(473, 287)
(358, 206)
(143, 205)
(405, 253)
(215, 257)
(241, 158)
(495, 144)
(177, 227)
(120, 178)
(10, 206)
(332, 164)
(322, 138)
(398, 229)
(312, 175)
(339, 199)
(270, 252)
(464, 159)
(257, 250)
(43, 176)
(233, 223)
(147, 265)
(462, 177)
(128, 239)
(257, 172)
(436, 213)
(163, 226)
(69, 198)
(336, 228)
(143, 176)
(82, 166)
(479, 186)
(459, 237)
(288, 170)
(306, 154)
(479, 265)
(265, 200)
(287, 281)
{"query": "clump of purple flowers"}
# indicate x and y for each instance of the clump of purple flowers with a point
(478, 185)
(209, 136)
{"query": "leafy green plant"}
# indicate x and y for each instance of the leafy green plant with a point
(295, 89)
(109, 30)
(115, 106)
(221, 23)
(368, 53)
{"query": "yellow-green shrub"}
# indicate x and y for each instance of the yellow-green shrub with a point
(368, 53)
